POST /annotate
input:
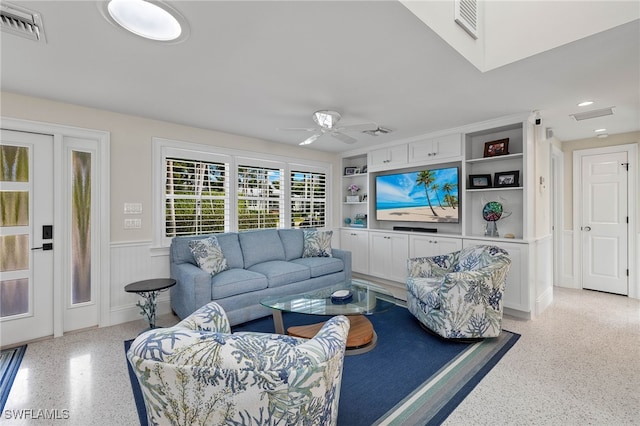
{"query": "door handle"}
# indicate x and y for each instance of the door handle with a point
(587, 228)
(45, 247)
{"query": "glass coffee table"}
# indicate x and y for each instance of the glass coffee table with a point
(365, 299)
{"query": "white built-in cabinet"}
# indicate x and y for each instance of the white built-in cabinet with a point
(431, 245)
(388, 158)
(435, 149)
(388, 253)
(380, 252)
(357, 242)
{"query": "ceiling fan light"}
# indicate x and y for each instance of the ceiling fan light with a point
(326, 119)
(146, 19)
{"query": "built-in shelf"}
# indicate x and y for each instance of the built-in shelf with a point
(507, 188)
(496, 158)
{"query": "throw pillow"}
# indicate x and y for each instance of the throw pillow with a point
(317, 244)
(208, 255)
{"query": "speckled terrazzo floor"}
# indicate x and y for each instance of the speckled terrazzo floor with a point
(576, 364)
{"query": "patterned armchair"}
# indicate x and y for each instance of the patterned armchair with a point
(198, 373)
(459, 295)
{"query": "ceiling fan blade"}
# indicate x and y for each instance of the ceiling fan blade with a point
(344, 138)
(358, 127)
(310, 139)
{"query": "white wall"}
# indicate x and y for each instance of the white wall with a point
(132, 258)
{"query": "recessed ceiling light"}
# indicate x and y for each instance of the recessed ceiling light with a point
(155, 21)
(603, 135)
(600, 130)
(585, 103)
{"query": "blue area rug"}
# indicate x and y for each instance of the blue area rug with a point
(10, 360)
(411, 377)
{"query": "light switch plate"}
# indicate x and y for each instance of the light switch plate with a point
(132, 208)
(132, 223)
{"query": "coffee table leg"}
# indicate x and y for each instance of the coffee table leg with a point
(277, 321)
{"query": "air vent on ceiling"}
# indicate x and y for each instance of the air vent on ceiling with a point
(377, 132)
(593, 114)
(22, 22)
(466, 15)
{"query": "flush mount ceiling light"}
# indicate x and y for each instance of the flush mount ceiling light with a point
(585, 103)
(152, 20)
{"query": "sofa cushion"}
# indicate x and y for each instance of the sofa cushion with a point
(208, 255)
(293, 242)
(230, 246)
(236, 281)
(260, 246)
(319, 266)
(317, 244)
(281, 273)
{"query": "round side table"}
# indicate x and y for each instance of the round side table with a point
(149, 290)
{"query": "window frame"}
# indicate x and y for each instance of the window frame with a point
(163, 148)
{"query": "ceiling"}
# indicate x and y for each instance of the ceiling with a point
(250, 68)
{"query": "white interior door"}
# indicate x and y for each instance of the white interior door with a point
(604, 227)
(26, 262)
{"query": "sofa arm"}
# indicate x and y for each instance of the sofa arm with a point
(345, 256)
(192, 289)
(210, 317)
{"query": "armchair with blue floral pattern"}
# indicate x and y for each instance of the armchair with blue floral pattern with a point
(459, 295)
(199, 373)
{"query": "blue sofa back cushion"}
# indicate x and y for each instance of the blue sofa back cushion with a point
(261, 246)
(293, 242)
(229, 244)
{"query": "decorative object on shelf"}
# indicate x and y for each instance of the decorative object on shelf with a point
(360, 221)
(353, 188)
(364, 169)
(506, 179)
(492, 212)
(351, 171)
(479, 181)
(495, 148)
(347, 221)
(353, 198)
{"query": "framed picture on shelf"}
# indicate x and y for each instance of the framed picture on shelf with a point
(479, 181)
(506, 179)
(351, 171)
(364, 169)
(495, 148)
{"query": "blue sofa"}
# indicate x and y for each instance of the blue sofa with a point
(261, 263)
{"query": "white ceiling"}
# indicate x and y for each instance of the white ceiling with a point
(250, 68)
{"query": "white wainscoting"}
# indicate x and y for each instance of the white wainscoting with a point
(567, 271)
(544, 274)
(130, 262)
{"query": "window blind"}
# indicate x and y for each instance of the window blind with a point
(260, 197)
(308, 199)
(196, 197)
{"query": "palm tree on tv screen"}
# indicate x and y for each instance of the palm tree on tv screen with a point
(426, 178)
(448, 187)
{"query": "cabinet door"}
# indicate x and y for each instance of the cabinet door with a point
(357, 242)
(388, 256)
(388, 158)
(448, 146)
(430, 150)
(516, 292)
(427, 246)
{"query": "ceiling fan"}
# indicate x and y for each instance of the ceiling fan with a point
(327, 121)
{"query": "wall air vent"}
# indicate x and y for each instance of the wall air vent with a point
(466, 15)
(22, 22)
(593, 114)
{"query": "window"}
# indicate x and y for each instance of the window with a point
(260, 198)
(308, 199)
(202, 189)
(196, 197)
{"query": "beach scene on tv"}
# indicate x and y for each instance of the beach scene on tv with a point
(421, 196)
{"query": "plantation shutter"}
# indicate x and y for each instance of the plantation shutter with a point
(260, 197)
(196, 197)
(308, 199)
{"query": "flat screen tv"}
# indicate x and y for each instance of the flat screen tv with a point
(429, 195)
